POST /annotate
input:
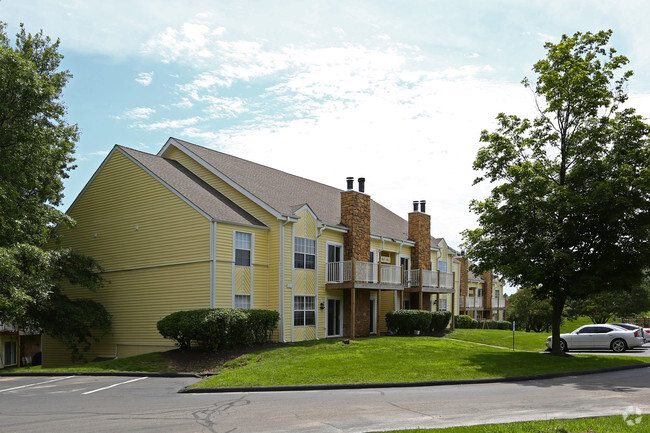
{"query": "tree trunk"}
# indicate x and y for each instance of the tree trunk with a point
(558, 308)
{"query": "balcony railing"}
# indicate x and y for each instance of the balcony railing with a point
(498, 303)
(471, 302)
(446, 280)
(429, 278)
(7, 328)
(364, 272)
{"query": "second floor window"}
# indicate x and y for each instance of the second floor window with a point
(442, 265)
(243, 245)
(304, 253)
(496, 293)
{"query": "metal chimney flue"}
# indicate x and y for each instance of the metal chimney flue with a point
(423, 205)
(362, 184)
(416, 206)
(350, 183)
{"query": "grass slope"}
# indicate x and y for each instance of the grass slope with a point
(394, 359)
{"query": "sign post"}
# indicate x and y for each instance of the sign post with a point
(513, 335)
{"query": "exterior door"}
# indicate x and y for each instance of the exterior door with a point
(334, 263)
(334, 317)
(373, 314)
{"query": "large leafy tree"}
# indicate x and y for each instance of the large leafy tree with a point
(602, 307)
(570, 210)
(36, 154)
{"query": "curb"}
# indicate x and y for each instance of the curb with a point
(108, 373)
(405, 384)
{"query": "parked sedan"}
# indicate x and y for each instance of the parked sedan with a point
(604, 336)
(645, 333)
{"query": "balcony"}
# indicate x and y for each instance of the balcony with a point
(363, 275)
(471, 302)
(7, 328)
(417, 280)
(498, 303)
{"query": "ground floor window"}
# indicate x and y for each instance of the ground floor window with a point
(304, 310)
(243, 302)
(9, 353)
(442, 306)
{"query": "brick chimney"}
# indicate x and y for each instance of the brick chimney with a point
(487, 289)
(355, 214)
(420, 233)
(464, 276)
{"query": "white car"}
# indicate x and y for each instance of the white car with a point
(645, 333)
(604, 336)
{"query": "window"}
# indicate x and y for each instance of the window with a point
(304, 253)
(479, 292)
(10, 353)
(496, 293)
(442, 306)
(304, 310)
(243, 302)
(243, 244)
(442, 265)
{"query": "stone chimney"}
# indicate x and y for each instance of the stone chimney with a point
(420, 233)
(355, 214)
(464, 276)
(487, 289)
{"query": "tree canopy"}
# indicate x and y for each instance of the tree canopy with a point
(570, 212)
(36, 154)
(529, 312)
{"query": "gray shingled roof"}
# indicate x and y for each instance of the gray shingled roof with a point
(195, 190)
(285, 192)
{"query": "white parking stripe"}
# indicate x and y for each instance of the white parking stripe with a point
(34, 384)
(117, 384)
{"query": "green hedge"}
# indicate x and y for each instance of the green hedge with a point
(465, 321)
(404, 322)
(496, 324)
(440, 320)
(219, 328)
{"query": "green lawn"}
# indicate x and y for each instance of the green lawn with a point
(150, 362)
(394, 359)
(610, 424)
(530, 341)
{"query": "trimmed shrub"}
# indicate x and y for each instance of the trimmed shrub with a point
(440, 320)
(219, 328)
(465, 321)
(404, 322)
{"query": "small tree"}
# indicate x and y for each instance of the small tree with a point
(529, 312)
(570, 212)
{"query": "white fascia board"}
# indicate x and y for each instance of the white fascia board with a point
(337, 229)
(398, 241)
(209, 167)
(166, 185)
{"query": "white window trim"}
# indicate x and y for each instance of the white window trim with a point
(341, 313)
(294, 310)
(293, 257)
(234, 288)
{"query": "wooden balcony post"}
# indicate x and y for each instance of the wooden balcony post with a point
(353, 312)
(420, 306)
(437, 301)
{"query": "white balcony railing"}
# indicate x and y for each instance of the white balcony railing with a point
(7, 328)
(364, 272)
(429, 278)
(498, 303)
(473, 302)
(446, 280)
(412, 278)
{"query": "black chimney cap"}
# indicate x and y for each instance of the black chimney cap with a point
(423, 204)
(350, 183)
(362, 184)
(416, 206)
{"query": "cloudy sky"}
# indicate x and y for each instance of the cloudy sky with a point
(394, 91)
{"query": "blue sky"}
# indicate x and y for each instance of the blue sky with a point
(396, 92)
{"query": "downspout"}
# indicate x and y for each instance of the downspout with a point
(281, 276)
(213, 263)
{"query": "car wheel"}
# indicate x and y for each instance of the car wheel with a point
(563, 346)
(618, 345)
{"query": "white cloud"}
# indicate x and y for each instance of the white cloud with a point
(137, 113)
(145, 78)
(167, 124)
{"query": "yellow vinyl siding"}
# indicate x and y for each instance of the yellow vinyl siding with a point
(123, 196)
(156, 268)
(137, 300)
(304, 280)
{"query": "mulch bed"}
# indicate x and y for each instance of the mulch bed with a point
(201, 361)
